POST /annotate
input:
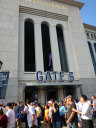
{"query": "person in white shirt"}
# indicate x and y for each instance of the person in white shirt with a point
(38, 113)
(86, 113)
(94, 107)
(79, 108)
(11, 116)
(31, 116)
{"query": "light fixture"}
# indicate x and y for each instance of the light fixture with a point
(1, 63)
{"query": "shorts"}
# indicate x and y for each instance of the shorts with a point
(87, 123)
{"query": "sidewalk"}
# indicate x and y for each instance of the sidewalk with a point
(66, 127)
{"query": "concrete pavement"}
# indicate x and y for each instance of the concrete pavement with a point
(66, 127)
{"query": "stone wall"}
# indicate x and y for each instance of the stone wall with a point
(9, 17)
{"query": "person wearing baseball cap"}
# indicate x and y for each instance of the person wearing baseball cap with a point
(72, 118)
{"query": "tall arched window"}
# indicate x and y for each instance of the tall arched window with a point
(29, 46)
(62, 51)
(47, 55)
(95, 46)
(92, 56)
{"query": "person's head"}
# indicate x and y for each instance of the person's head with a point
(28, 102)
(1, 112)
(15, 104)
(93, 97)
(1, 105)
(60, 103)
(18, 104)
(9, 106)
(49, 103)
(46, 107)
(76, 101)
(52, 101)
(83, 98)
(70, 99)
(43, 106)
(36, 100)
(35, 104)
(65, 99)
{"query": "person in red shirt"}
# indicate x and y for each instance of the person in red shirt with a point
(3, 119)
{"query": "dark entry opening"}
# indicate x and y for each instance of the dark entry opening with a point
(29, 47)
(62, 50)
(47, 55)
(52, 93)
(69, 90)
(31, 93)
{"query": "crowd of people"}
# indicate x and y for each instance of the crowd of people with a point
(69, 113)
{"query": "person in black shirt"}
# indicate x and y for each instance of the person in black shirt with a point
(72, 118)
(56, 121)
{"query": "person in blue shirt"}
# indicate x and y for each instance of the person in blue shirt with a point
(62, 111)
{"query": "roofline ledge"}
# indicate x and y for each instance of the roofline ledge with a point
(89, 26)
(72, 2)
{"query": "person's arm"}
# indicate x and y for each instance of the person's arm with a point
(54, 109)
(8, 117)
(39, 112)
(74, 110)
(33, 120)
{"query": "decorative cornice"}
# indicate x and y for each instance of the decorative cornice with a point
(72, 2)
(89, 26)
(42, 13)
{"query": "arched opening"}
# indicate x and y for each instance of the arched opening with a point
(47, 55)
(92, 56)
(95, 46)
(62, 51)
(29, 47)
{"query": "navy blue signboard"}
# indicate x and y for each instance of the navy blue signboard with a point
(4, 76)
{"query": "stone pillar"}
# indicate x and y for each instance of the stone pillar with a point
(60, 93)
(64, 92)
(78, 92)
(21, 93)
(38, 47)
(68, 48)
(54, 49)
(21, 47)
(41, 96)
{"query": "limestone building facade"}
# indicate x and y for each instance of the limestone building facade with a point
(43, 45)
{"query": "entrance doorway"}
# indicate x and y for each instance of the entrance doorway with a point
(70, 90)
(51, 93)
(31, 93)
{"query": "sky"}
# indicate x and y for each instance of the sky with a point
(88, 12)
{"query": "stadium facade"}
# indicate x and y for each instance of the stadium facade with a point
(47, 49)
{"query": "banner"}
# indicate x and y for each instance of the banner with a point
(4, 76)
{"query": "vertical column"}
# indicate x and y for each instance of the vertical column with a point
(69, 50)
(21, 93)
(60, 93)
(38, 47)
(54, 49)
(41, 95)
(78, 92)
(21, 46)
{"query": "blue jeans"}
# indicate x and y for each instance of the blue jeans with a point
(57, 124)
(72, 125)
